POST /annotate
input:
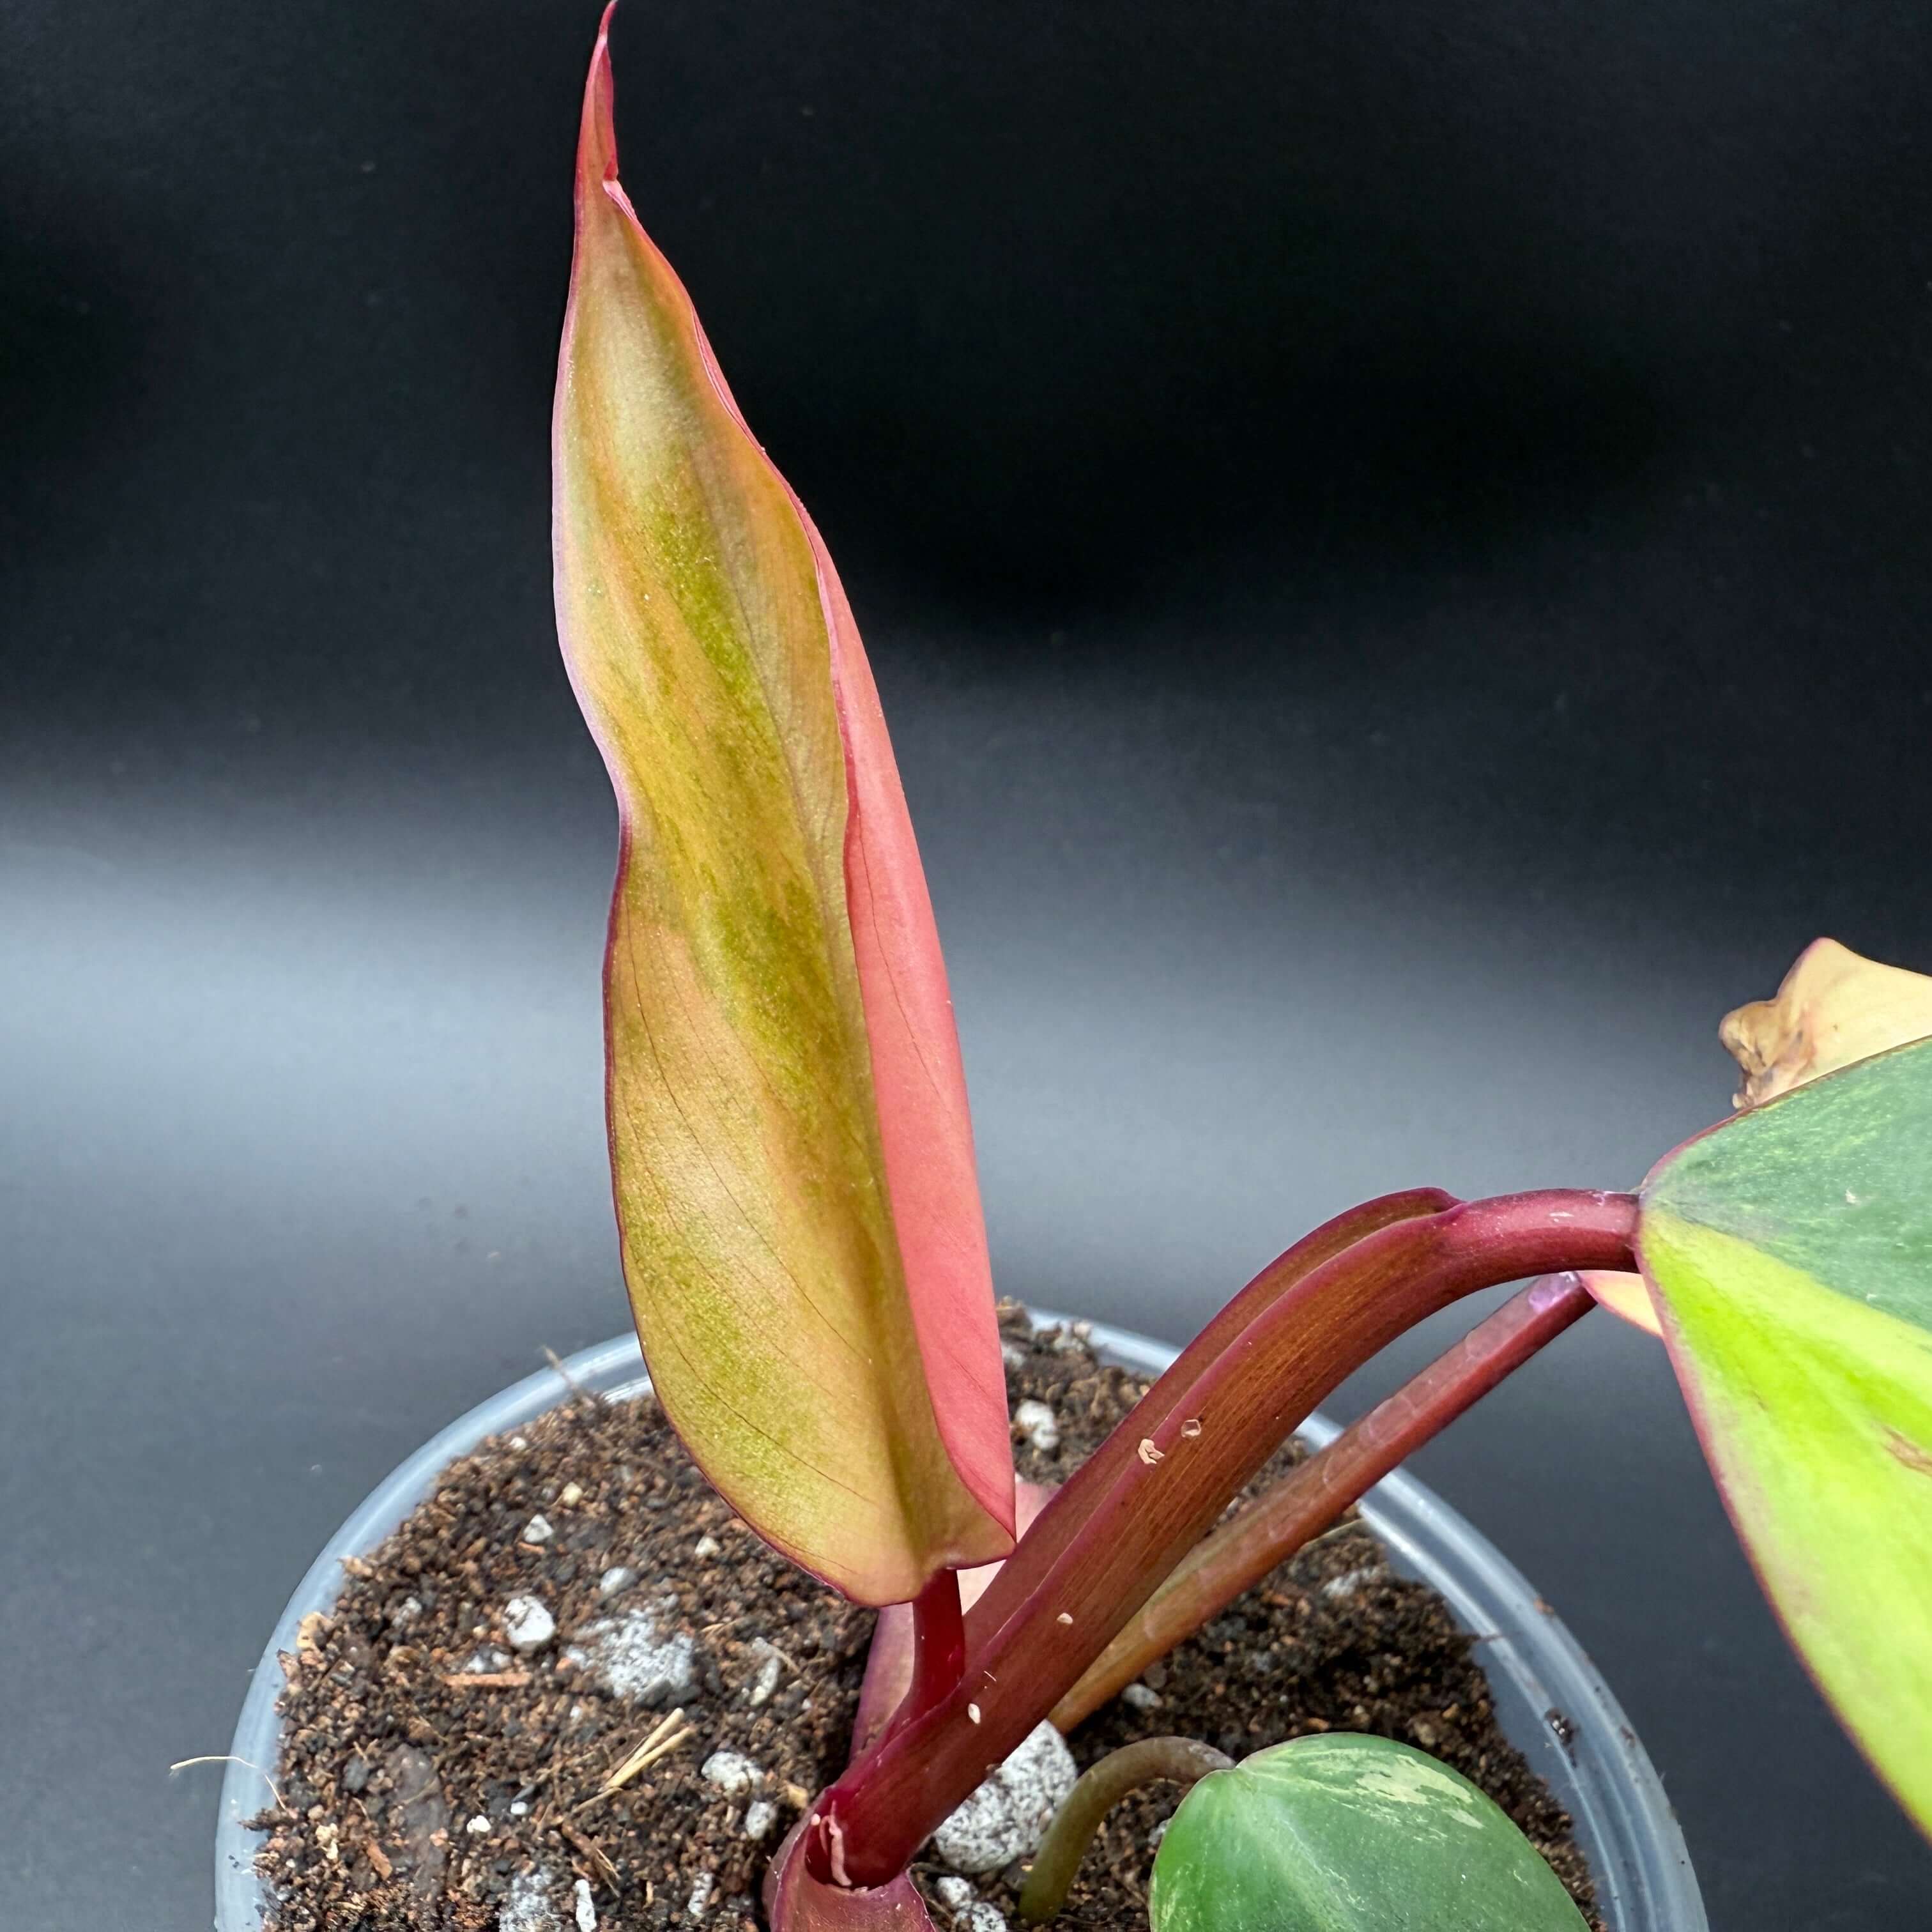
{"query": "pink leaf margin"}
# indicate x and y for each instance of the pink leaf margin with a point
(918, 1076)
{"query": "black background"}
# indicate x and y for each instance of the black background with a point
(1392, 539)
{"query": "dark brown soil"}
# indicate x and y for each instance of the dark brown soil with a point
(432, 1779)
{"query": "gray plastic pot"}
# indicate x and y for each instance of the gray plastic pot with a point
(1598, 1772)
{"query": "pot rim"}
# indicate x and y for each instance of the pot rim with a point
(1599, 1772)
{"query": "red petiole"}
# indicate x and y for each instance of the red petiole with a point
(1314, 1495)
(1021, 1574)
(939, 1647)
(1107, 1543)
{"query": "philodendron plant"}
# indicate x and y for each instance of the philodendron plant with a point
(805, 1251)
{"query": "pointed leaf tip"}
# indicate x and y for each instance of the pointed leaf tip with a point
(1624, 1295)
(790, 1144)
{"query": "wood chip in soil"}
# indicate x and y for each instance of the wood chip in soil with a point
(435, 1777)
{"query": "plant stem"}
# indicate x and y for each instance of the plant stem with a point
(938, 1647)
(1060, 1521)
(1304, 1503)
(1056, 1865)
(1178, 1472)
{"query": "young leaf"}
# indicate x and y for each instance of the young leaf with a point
(792, 1155)
(1790, 1252)
(1624, 1295)
(1343, 1833)
(1833, 1009)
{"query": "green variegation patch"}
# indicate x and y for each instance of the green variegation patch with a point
(1349, 1833)
(1790, 1252)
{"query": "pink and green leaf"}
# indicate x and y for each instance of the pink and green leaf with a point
(790, 1146)
(1789, 1253)
(1626, 1295)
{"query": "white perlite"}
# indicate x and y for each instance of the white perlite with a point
(970, 1912)
(528, 1624)
(769, 1671)
(537, 1530)
(478, 1827)
(582, 1908)
(528, 1907)
(1038, 1424)
(733, 1773)
(1346, 1585)
(707, 1547)
(489, 1658)
(615, 1579)
(761, 1815)
(699, 1902)
(1139, 1697)
(1005, 1818)
(628, 1657)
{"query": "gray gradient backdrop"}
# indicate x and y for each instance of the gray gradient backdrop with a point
(1393, 557)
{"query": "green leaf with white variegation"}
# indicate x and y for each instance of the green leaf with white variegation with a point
(1343, 1833)
(1788, 1252)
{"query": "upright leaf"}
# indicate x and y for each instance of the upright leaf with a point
(789, 1142)
(1789, 1253)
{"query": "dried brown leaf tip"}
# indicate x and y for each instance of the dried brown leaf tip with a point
(1834, 1008)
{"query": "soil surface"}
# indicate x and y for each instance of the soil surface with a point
(451, 1731)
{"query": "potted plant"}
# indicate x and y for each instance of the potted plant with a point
(799, 1218)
